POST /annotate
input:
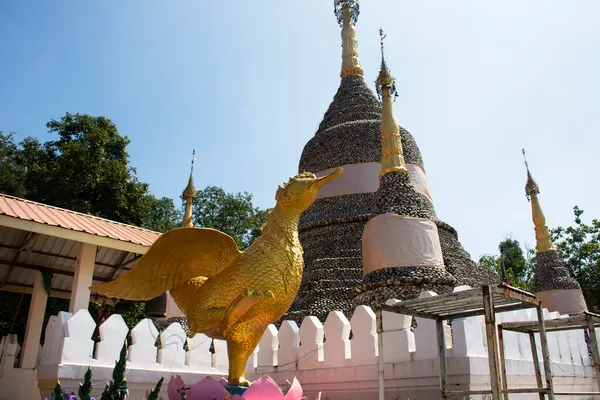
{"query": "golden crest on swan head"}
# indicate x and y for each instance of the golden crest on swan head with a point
(302, 189)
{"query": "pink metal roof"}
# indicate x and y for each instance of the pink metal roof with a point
(59, 217)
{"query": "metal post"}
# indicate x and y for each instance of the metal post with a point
(545, 352)
(492, 341)
(594, 346)
(536, 364)
(441, 339)
(381, 366)
(502, 361)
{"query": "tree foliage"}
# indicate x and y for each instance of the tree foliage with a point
(579, 248)
(233, 214)
(12, 172)
(513, 260)
(162, 214)
(85, 169)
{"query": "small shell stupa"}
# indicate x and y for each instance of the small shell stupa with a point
(552, 282)
(331, 230)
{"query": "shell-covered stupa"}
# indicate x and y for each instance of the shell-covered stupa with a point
(552, 282)
(331, 230)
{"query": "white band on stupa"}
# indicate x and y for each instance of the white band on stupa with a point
(392, 240)
(364, 178)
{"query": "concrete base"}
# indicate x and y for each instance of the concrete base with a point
(19, 384)
(419, 380)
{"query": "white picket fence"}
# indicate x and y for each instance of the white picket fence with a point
(325, 357)
(338, 357)
(68, 340)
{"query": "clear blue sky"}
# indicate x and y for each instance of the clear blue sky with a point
(247, 83)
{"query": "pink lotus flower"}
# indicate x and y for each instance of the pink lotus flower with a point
(263, 389)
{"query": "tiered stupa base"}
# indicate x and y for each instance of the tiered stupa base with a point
(554, 286)
(397, 195)
(402, 283)
(328, 284)
(551, 274)
(399, 204)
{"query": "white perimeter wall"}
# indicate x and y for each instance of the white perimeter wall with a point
(322, 356)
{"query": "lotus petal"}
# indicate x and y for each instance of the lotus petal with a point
(175, 383)
(207, 388)
(263, 389)
(295, 392)
(223, 382)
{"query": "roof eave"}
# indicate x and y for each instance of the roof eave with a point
(69, 234)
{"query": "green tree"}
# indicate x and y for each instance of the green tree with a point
(579, 248)
(513, 260)
(86, 169)
(161, 215)
(12, 172)
(233, 214)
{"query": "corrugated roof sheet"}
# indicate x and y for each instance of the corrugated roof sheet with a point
(23, 253)
(59, 217)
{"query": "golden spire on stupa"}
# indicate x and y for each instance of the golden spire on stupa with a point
(347, 12)
(542, 233)
(189, 194)
(392, 156)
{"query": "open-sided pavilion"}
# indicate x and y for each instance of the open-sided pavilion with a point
(49, 251)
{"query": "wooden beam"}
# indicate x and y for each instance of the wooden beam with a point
(407, 311)
(123, 265)
(545, 352)
(53, 270)
(28, 289)
(59, 294)
(31, 236)
(441, 342)
(25, 242)
(44, 253)
(594, 347)
(502, 362)
(536, 364)
(492, 342)
(381, 360)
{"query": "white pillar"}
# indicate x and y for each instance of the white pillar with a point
(35, 320)
(82, 280)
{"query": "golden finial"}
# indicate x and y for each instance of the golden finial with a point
(531, 186)
(392, 156)
(347, 12)
(189, 194)
(542, 233)
(385, 78)
(190, 190)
